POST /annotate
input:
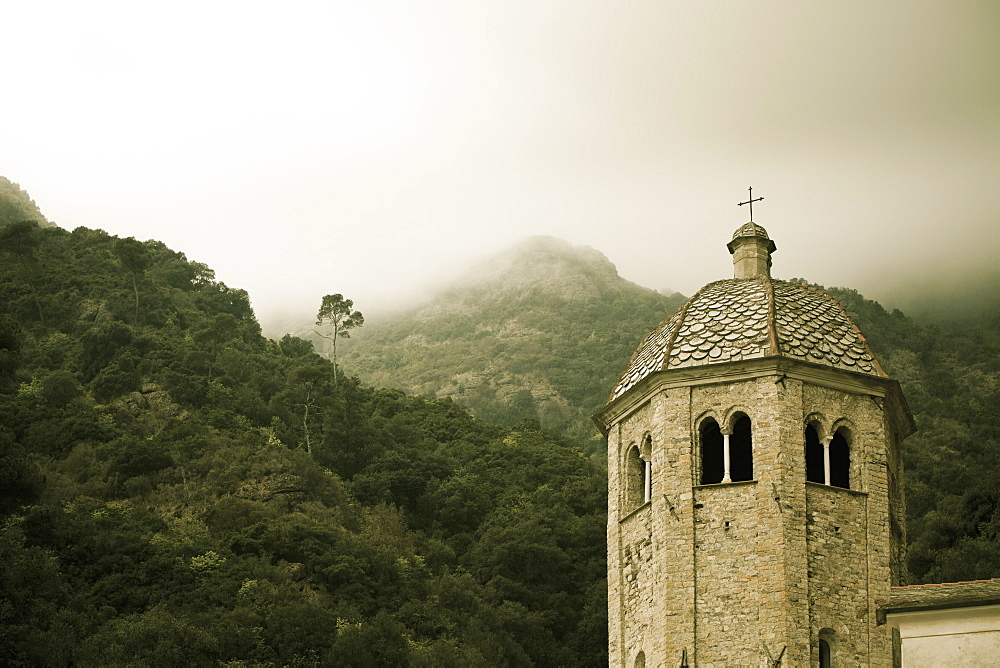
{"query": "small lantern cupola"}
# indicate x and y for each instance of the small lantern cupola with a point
(751, 249)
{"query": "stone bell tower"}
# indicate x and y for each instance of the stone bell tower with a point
(755, 503)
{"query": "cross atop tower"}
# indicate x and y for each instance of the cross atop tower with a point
(750, 202)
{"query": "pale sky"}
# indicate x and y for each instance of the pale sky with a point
(372, 148)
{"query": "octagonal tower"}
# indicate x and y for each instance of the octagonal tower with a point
(755, 502)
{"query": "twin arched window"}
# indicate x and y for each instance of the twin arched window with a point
(729, 458)
(726, 457)
(828, 462)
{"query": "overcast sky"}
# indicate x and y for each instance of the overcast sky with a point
(369, 148)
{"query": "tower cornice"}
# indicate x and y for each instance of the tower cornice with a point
(820, 375)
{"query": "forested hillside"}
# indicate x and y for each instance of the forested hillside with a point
(176, 489)
(541, 331)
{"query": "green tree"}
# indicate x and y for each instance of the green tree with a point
(134, 258)
(20, 239)
(221, 329)
(305, 397)
(20, 480)
(11, 342)
(336, 316)
(293, 346)
(155, 637)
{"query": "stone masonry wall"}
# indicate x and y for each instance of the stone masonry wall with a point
(838, 570)
(730, 575)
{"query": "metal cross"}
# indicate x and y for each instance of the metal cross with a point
(750, 202)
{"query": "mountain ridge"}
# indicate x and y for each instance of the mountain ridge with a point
(527, 262)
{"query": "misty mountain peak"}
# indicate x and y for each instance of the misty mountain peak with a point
(538, 331)
(543, 265)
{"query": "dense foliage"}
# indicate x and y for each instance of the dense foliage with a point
(176, 489)
(541, 333)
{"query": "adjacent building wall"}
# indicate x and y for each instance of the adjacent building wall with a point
(967, 636)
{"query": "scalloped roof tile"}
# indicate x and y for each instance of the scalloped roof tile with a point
(740, 319)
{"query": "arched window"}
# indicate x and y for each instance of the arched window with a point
(825, 660)
(840, 459)
(712, 464)
(827, 646)
(741, 450)
(815, 468)
(637, 482)
(640, 660)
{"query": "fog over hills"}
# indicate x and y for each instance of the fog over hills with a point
(949, 296)
(540, 331)
(393, 142)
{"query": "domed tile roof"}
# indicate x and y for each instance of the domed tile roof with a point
(747, 318)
